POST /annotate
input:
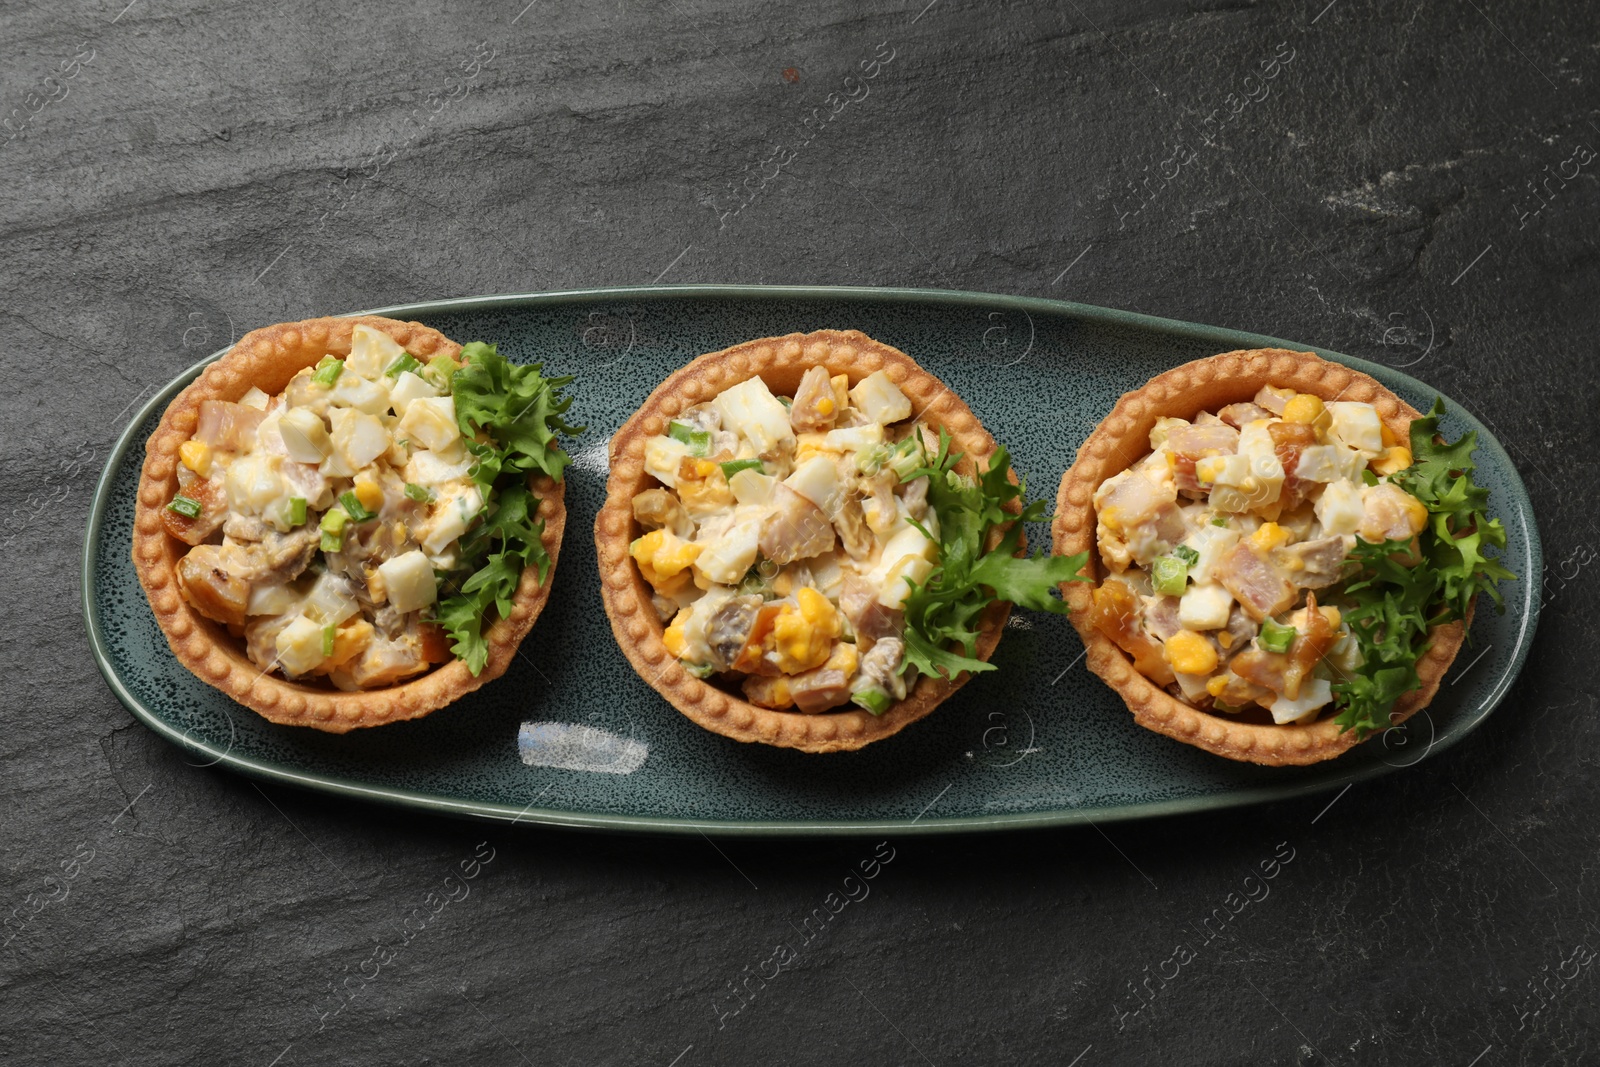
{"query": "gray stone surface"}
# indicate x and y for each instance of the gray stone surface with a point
(211, 167)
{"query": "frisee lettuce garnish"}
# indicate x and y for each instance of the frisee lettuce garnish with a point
(1394, 605)
(509, 416)
(966, 579)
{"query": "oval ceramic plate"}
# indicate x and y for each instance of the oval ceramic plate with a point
(572, 737)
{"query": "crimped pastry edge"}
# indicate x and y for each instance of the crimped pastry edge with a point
(780, 361)
(1121, 439)
(268, 358)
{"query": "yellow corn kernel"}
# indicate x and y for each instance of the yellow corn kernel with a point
(841, 392)
(196, 455)
(369, 492)
(662, 557)
(1395, 458)
(1189, 653)
(1416, 514)
(1224, 638)
(1217, 685)
(826, 406)
(843, 658)
(1268, 537)
(401, 532)
(1307, 409)
(804, 633)
(674, 638)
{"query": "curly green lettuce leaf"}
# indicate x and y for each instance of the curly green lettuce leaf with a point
(942, 613)
(1393, 605)
(509, 415)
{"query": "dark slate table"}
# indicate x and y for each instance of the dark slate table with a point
(1414, 183)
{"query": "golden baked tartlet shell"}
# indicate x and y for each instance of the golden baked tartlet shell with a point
(779, 361)
(267, 358)
(1121, 439)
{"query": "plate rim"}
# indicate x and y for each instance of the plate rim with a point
(563, 819)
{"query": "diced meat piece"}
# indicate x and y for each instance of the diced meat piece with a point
(1130, 499)
(206, 582)
(666, 607)
(1240, 686)
(1254, 582)
(658, 509)
(386, 661)
(795, 529)
(752, 658)
(768, 692)
(1189, 444)
(702, 417)
(1241, 415)
(213, 500)
(1289, 439)
(819, 689)
(871, 621)
(244, 528)
(1240, 629)
(851, 524)
(1313, 564)
(880, 668)
(1161, 616)
(814, 407)
(261, 638)
(308, 482)
(1389, 513)
(225, 425)
(915, 495)
(1274, 399)
(728, 629)
(1118, 614)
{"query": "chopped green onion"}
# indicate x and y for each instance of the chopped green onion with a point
(786, 402)
(1219, 705)
(874, 700)
(297, 511)
(327, 639)
(358, 511)
(699, 441)
(328, 371)
(1187, 554)
(734, 466)
(1169, 575)
(406, 362)
(699, 670)
(870, 460)
(186, 506)
(1219, 520)
(906, 458)
(1275, 637)
(1368, 477)
(441, 370)
(420, 493)
(332, 527)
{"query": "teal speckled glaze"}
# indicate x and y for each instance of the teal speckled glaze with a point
(1041, 741)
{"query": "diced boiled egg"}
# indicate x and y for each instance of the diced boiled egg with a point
(409, 387)
(751, 486)
(1204, 607)
(431, 422)
(354, 391)
(1358, 426)
(724, 559)
(1211, 542)
(750, 409)
(254, 397)
(451, 517)
(271, 600)
(907, 554)
(817, 479)
(1314, 693)
(299, 646)
(371, 351)
(357, 437)
(1340, 509)
(853, 439)
(879, 399)
(253, 482)
(408, 580)
(304, 436)
(434, 469)
(662, 455)
(329, 602)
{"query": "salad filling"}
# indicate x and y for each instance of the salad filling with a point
(1283, 559)
(366, 522)
(821, 550)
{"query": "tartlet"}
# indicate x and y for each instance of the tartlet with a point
(267, 359)
(630, 600)
(1121, 440)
